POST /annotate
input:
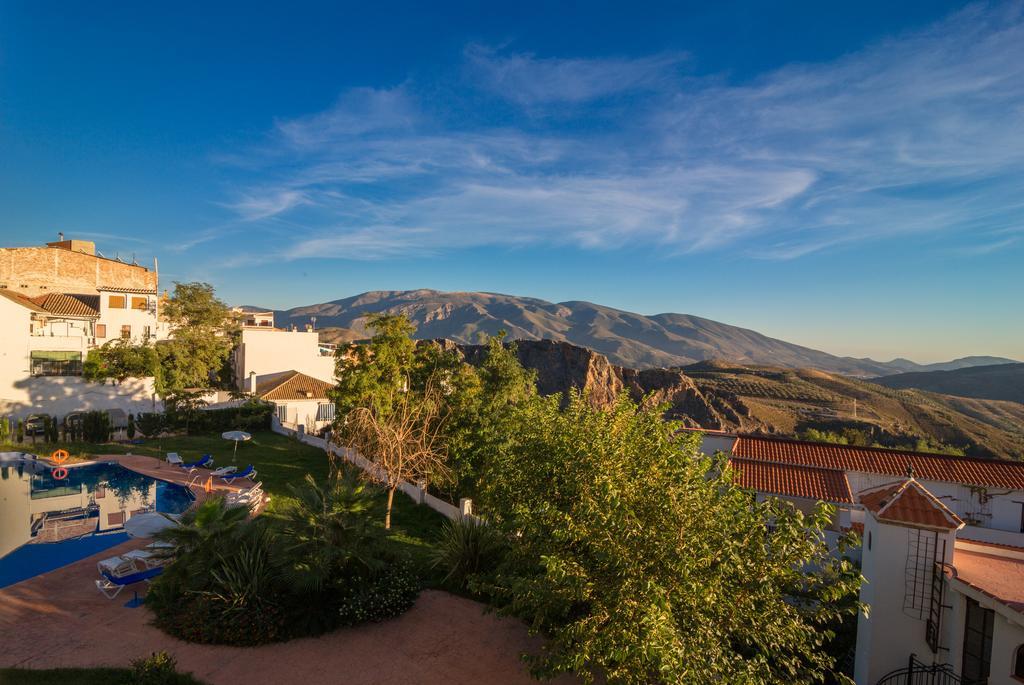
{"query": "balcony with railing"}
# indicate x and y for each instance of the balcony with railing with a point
(918, 673)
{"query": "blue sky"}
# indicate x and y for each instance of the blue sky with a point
(844, 177)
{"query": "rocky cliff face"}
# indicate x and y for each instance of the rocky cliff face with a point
(561, 366)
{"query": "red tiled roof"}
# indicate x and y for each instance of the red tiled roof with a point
(941, 467)
(62, 304)
(18, 298)
(999, 577)
(827, 485)
(133, 291)
(292, 385)
(909, 502)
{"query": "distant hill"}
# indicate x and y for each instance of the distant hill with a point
(991, 382)
(784, 402)
(627, 339)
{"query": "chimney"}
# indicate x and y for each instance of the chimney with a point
(252, 382)
(60, 236)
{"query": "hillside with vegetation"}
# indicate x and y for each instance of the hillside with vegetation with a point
(990, 382)
(808, 403)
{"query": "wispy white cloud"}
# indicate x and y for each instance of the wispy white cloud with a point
(530, 80)
(919, 133)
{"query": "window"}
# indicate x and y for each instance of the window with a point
(126, 331)
(58, 363)
(282, 413)
(140, 303)
(116, 301)
(325, 411)
(145, 332)
(1018, 663)
(101, 330)
(977, 643)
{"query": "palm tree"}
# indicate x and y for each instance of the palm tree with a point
(329, 528)
(204, 528)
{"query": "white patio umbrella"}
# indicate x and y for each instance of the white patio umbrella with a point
(149, 524)
(237, 436)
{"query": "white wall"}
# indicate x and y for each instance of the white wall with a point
(61, 395)
(888, 635)
(138, 319)
(268, 352)
(301, 412)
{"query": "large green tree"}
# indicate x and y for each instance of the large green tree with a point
(203, 333)
(641, 561)
(370, 375)
(120, 360)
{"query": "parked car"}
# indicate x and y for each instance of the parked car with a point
(35, 425)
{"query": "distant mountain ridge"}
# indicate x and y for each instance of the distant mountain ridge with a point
(988, 382)
(627, 339)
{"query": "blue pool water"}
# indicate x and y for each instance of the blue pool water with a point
(49, 518)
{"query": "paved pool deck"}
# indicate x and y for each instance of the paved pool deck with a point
(60, 619)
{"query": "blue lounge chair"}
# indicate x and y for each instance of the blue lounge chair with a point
(111, 585)
(205, 461)
(248, 472)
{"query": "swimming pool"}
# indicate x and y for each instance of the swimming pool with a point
(50, 518)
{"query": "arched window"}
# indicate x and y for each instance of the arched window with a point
(1018, 662)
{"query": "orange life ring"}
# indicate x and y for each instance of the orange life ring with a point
(59, 456)
(59, 473)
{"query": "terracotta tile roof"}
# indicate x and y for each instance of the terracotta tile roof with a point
(941, 467)
(999, 577)
(909, 502)
(134, 291)
(62, 304)
(18, 298)
(292, 385)
(827, 485)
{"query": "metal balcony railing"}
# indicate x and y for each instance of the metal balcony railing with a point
(918, 673)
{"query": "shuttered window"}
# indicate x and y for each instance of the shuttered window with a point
(116, 302)
(140, 303)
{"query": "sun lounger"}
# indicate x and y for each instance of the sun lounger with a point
(174, 459)
(111, 585)
(251, 497)
(206, 461)
(118, 566)
(247, 473)
(149, 558)
(223, 471)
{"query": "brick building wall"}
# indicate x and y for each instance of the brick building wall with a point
(38, 270)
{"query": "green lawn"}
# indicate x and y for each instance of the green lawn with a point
(78, 676)
(279, 460)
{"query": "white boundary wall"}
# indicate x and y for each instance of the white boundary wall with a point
(417, 493)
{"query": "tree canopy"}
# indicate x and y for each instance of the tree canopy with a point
(640, 560)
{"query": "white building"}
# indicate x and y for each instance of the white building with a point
(47, 334)
(942, 551)
(298, 399)
(265, 350)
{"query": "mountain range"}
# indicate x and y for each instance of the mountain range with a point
(627, 339)
(990, 382)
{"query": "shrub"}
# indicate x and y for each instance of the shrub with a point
(150, 423)
(131, 426)
(96, 426)
(384, 595)
(160, 668)
(5, 429)
(466, 548)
